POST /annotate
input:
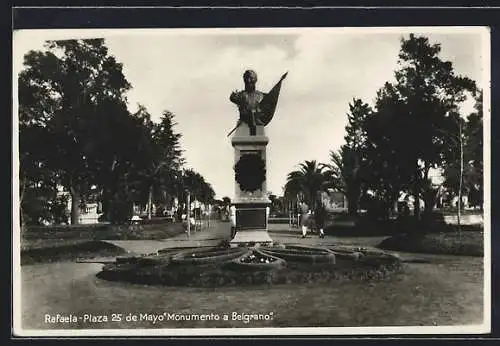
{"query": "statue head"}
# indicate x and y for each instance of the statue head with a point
(250, 78)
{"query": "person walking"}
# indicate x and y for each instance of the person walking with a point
(232, 216)
(320, 218)
(306, 218)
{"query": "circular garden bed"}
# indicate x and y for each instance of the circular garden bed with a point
(282, 264)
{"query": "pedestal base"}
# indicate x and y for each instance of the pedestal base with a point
(257, 237)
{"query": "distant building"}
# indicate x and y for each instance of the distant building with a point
(334, 200)
(89, 212)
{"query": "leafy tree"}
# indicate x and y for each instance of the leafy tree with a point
(389, 170)
(124, 142)
(413, 112)
(226, 201)
(63, 92)
(38, 183)
(199, 189)
(347, 168)
(474, 150)
(293, 190)
(159, 158)
(275, 203)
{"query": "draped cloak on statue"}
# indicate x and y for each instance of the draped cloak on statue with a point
(269, 102)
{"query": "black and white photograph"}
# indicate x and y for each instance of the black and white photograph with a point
(251, 181)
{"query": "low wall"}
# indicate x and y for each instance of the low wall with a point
(467, 219)
(280, 220)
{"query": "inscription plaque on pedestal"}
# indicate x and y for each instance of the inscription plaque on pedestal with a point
(251, 218)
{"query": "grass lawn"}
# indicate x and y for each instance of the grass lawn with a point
(448, 291)
(66, 243)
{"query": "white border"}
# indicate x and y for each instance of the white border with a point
(469, 329)
(485, 327)
(486, 62)
(93, 33)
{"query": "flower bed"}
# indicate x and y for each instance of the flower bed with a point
(301, 254)
(145, 260)
(210, 255)
(284, 264)
(365, 256)
(257, 260)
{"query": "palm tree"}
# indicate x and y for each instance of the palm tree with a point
(343, 174)
(307, 182)
(336, 172)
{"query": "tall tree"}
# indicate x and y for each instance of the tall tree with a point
(160, 158)
(417, 106)
(309, 181)
(197, 186)
(63, 91)
(168, 158)
(474, 149)
(390, 167)
(347, 167)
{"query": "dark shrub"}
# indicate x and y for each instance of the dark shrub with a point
(121, 210)
(464, 243)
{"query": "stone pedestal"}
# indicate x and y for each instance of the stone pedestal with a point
(252, 207)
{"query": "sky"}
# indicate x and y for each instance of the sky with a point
(191, 72)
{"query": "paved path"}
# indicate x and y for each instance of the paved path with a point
(211, 236)
(219, 231)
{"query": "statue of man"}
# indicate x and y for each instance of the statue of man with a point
(255, 107)
(248, 101)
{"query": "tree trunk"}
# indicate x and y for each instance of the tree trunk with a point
(106, 204)
(429, 195)
(394, 200)
(150, 202)
(353, 197)
(352, 206)
(21, 220)
(416, 206)
(459, 205)
(208, 210)
(75, 205)
(429, 200)
(416, 195)
(188, 214)
(21, 198)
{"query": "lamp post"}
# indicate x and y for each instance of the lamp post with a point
(188, 212)
(459, 205)
(185, 187)
(208, 215)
